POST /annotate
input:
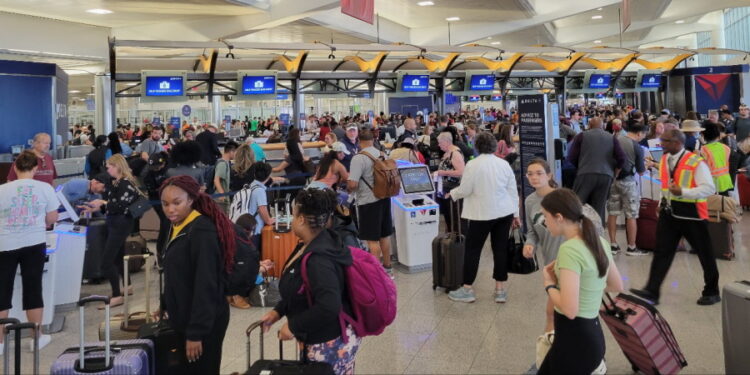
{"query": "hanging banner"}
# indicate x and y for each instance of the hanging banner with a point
(625, 16)
(714, 90)
(360, 9)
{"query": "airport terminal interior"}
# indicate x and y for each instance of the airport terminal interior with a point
(389, 186)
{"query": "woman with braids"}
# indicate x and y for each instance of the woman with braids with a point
(200, 250)
(316, 326)
(575, 282)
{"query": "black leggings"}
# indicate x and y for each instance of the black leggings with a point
(499, 231)
(118, 229)
(578, 347)
(31, 259)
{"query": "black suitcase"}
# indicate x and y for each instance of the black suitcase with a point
(96, 237)
(448, 258)
(722, 240)
(281, 366)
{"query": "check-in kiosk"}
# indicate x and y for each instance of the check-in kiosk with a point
(416, 218)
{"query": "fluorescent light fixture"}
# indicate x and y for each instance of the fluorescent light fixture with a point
(495, 43)
(451, 19)
(597, 17)
(597, 42)
(679, 21)
(99, 11)
(425, 3)
(74, 91)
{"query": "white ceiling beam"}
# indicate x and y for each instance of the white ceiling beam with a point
(390, 31)
(546, 11)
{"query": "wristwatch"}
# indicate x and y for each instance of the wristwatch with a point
(548, 287)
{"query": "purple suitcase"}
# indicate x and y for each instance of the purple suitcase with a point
(124, 357)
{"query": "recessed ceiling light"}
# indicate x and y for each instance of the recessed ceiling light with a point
(495, 43)
(425, 3)
(597, 42)
(99, 11)
(597, 17)
(489, 37)
(451, 19)
(679, 21)
(74, 91)
(598, 8)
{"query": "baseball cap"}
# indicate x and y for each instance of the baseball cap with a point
(352, 126)
(459, 126)
(157, 159)
(339, 147)
(102, 177)
(666, 112)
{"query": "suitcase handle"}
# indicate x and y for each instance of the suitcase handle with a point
(82, 321)
(126, 307)
(17, 328)
(249, 331)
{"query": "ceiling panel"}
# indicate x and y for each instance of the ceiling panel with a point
(301, 32)
(408, 13)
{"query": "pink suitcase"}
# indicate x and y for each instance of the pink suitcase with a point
(643, 335)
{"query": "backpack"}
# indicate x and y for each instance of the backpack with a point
(241, 202)
(386, 182)
(371, 292)
(245, 270)
(344, 226)
(209, 172)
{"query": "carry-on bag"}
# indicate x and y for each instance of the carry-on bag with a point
(448, 257)
(648, 216)
(517, 263)
(277, 247)
(743, 188)
(722, 239)
(96, 238)
(643, 335)
(280, 366)
(135, 244)
(13, 325)
(134, 357)
(125, 326)
(150, 225)
(735, 310)
(283, 223)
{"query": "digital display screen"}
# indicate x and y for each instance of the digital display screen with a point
(474, 98)
(164, 86)
(651, 81)
(496, 98)
(415, 83)
(416, 180)
(599, 81)
(482, 82)
(256, 85)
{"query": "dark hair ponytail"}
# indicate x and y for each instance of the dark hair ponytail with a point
(326, 162)
(566, 203)
(203, 203)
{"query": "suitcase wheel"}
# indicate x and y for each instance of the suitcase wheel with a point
(434, 286)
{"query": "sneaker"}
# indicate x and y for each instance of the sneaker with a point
(44, 340)
(238, 302)
(462, 295)
(389, 271)
(634, 251)
(615, 249)
(501, 296)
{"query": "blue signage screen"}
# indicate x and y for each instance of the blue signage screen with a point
(474, 98)
(651, 81)
(482, 82)
(415, 83)
(496, 98)
(599, 81)
(164, 86)
(255, 85)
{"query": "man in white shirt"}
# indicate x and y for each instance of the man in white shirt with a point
(686, 183)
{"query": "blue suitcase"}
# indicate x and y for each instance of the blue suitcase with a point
(124, 357)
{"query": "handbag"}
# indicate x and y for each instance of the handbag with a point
(517, 263)
(139, 207)
(543, 343)
(265, 294)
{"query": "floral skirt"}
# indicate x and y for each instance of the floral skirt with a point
(336, 352)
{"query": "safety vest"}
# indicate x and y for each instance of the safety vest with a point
(684, 177)
(717, 156)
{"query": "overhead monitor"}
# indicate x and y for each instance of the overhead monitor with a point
(599, 81)
(415, 83)
(258, 85)
(475, 98)
(416, 180)
(165, 86)
(482, 82)
(496, 98)
(651, 81)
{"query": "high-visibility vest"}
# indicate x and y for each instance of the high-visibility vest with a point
(717, 156)
(684, 177)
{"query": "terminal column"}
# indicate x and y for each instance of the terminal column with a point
(103, 95)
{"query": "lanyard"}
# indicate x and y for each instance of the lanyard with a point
(676, 165)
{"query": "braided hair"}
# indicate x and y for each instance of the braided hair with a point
(203, 203)
(316, 206)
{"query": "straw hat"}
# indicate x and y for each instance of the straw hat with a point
(691, 126)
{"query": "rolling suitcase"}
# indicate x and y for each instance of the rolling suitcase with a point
(281, 366)
(277, 247)
(119, 327)
(16, 327)
(643, 335)
(96, 238)
(735, 309)
(448, 258)
(648, 217)
(722, 239)
(150, 225)
(135, 244)
(134, 357)
(743, 189)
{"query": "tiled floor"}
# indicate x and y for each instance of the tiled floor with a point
(433, 335)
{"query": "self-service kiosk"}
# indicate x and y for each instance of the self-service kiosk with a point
(416, 218)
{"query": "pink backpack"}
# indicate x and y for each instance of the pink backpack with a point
(371, 292)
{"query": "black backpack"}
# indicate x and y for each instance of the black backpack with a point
(246, 266)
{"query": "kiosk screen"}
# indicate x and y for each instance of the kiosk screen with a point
(416, 180)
